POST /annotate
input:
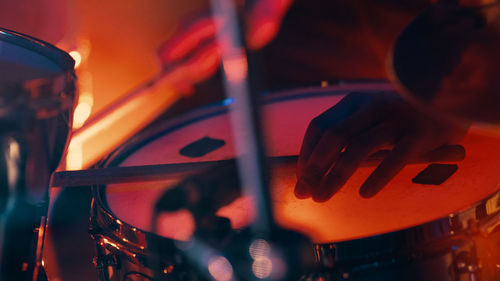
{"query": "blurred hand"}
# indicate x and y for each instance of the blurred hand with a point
(202, 195)
(359, 125)
(192, 54)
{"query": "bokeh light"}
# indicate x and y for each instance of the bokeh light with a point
(77, 57)
(259, 248)
(82, 112)
(220, 268)
(262, 267)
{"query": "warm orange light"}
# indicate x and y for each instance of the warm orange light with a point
(82, 112)
(220, 268)
(101, 137)
(77, 57)
(107, 122)
(74, 158)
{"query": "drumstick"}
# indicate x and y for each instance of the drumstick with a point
(110, 175)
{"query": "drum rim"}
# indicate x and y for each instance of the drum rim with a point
(455, 225)
(54, 92)
(56, 55)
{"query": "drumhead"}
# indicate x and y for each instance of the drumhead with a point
(401, 204)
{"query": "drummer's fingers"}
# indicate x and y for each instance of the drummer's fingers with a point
(409, 147)
(328, 148)
(351, 158)
(320, 151)
(338, 135)
(324, 154)
(328, 133)
(203, 64)
(331, 117)
(264, 20)
(311, 138)
(186, 39)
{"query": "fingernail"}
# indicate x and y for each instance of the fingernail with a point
(302, 190)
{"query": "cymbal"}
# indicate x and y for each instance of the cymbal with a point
(448, 58)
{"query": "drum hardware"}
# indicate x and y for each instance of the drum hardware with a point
(490, 225)
(464, 262)
(39, 246)
(105, 264)
(467, 265)
(241, 84)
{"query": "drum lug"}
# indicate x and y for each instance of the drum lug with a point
(325, 255)
(467, 264)
(104, 261)
(489, 225)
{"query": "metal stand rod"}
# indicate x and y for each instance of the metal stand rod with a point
(244, 117)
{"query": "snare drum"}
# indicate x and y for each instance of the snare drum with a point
(407, 232)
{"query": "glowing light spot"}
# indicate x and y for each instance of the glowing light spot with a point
(262, 267)
(228, 101)
(43, 262)
(220, 268)
(259, 248)
(74, 158)
(77, 57)
(82, 112)
(168, 269)
(13, 160)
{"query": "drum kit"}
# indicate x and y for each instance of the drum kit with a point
(167, 204)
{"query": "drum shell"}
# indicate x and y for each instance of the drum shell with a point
(37, 93)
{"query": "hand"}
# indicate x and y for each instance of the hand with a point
(192, 54)
(360, 124)
(203, 195)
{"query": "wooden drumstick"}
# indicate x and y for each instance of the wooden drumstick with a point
(448, 153)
